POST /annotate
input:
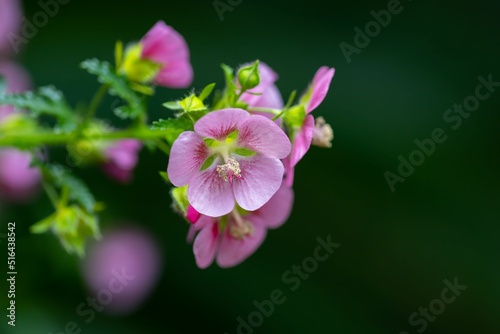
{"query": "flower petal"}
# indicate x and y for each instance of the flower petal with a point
(163, 45)
(274, 213)
(218, 124)
(261, 178)
(186, 158)
(234, 251)
(209, 194)
(320, 85)
(302, 141)
(262, 135)
(178, 74)
(205, 245)
(199, 225)
(270, 98)
(289, 172)
(10, 22)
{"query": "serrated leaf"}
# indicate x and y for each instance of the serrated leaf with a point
(172, 127)
(192, 103)
(44, 101)
(78, 191)
(118, 86)
(206, 91)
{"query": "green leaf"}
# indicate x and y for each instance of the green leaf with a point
(244, 152)
(172, 105)
(44, 101)
(119, 86)
(172, 127)
(209, 162)
(164, 176)
(180, 200)
(192, 103)
(207, 91)
(78, 191)
(43, 225)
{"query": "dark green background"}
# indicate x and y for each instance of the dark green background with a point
(397, 248)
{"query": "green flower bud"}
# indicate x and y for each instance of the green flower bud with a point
(248, 76)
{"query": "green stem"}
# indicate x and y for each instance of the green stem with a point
(163, 146)
(94, 104)
(51, 193)
(53, 139)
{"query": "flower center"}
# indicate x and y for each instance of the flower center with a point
(239, 227)
(229, 170)
(323, 133)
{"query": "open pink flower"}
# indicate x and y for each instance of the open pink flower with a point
(230, 157)
(233, 238)
(10, 22)
(270, 95)
(121, 158)
(303, 135)
(126, 263)
(163, 45)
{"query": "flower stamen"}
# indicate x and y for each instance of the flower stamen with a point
(229, 170)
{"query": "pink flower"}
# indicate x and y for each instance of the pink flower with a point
(270, 95)
(17, 79)
(192, 215)
(126, 263)
(303, 136)
(163, 45)
(18, 181)
(121, 158)
(230, 157)
(10, 21)
(233, 238)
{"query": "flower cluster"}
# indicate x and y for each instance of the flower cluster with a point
(238, 163)
(231, 160)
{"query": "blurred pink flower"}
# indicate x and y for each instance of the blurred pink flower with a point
(270, 95)
(17, 79)
(121, 158)
(127, 261)
(241, 234)
(231, 157)
(163, 45)
(18, 182)
(10, 22)
(303, 136)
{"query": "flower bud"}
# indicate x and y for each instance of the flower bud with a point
(248, 76)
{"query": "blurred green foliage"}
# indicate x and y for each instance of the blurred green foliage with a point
(397, 247)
